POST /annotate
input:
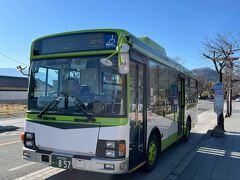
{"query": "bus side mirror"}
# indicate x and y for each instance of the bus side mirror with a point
(123, 59)
(24, 71)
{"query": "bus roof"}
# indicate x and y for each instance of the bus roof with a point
(143, 44)
(153, 44)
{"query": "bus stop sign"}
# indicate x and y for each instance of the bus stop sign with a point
(218, 98)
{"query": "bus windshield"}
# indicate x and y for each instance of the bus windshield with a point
(99, 88)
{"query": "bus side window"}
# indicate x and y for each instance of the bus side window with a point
(163, 91)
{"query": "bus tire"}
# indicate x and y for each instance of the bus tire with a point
(153, 152)
(187, 131)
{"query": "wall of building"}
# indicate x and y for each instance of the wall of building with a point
(13, 95)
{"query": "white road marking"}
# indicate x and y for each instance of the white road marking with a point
(41, 174)
(22, 166)
(10, 134)
(2, 134)
(8, 143)
(13, 133)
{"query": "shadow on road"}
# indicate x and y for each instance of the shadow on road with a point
(216, 158)
(169, 160)
(8, 128)
(81, 175)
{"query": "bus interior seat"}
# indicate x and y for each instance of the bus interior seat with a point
(90, 78)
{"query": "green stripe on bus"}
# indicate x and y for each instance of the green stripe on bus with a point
(72, 54)
(106, 121)
(168, 141)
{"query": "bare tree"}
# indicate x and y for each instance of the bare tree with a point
(220, 50)
(236, 79)
(202, 85)
(227, 79)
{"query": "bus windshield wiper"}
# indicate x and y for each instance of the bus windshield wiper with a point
(49, 106)
(82, 107)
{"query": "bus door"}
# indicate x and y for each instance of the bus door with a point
(137, 114)
(181, 103)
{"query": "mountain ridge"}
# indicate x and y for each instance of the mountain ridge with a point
(209, 74)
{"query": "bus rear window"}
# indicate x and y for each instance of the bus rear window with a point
(75, 43)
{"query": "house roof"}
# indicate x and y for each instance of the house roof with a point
(13, 83)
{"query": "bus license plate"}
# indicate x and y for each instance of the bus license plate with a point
(61, 161)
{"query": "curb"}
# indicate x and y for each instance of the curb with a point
(185, 161)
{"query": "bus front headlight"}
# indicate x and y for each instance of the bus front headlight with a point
(29, 140)
(111, 148)
(29, 143)
(110, 144)
(110, 153)
(29, 136)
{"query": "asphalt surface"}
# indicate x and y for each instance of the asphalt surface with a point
(204, 105)
(11, 161)
(12, 165)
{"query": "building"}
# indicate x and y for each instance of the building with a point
(13, 89)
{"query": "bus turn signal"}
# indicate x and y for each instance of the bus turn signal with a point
(22, 136)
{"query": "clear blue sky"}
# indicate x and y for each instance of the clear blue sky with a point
(178, 25)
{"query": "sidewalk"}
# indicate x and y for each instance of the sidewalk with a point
(218, 157)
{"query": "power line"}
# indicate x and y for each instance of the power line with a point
(16, 61)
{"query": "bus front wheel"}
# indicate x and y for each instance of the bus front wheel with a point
(153, 151)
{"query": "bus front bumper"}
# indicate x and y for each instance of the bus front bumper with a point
(119, 166)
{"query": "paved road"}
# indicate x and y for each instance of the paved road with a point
(204, 105)
(217, 158)
(13, 166)
(17, 122)
(11, 162)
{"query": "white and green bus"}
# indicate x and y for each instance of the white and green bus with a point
(105, 101)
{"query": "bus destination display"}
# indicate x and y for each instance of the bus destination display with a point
(75, 43)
